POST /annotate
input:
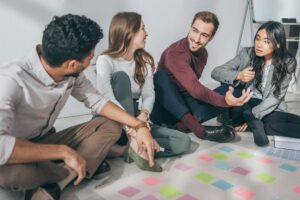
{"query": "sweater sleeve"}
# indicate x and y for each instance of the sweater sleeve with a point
(177, 63)
(104, 69)
(147, 92)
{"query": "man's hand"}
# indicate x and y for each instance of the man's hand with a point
(246, 75)
(77, 163)
(233, 101)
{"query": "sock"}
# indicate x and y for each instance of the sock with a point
(181, 127)
(260, 137)
(193, 124)
(63, 183)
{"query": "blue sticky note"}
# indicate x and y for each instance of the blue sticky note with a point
(288, 167)
(223, 166)
(226, 149)
(223, 185)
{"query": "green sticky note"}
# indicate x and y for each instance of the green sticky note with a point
(169, 191)
(265, 178)
(220, 156)
(205, 177)
(246, 154)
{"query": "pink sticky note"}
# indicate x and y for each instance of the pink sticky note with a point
(182, 167)
(151, 181)
(205, 158)
(129, 191)
(244, 193)
(297, 189)
(241, 171)
(264, 160)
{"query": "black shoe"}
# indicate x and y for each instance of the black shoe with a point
(44, 192)
(219, 133)
(103, 167)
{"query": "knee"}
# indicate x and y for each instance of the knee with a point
(183, 144)
(121, 78)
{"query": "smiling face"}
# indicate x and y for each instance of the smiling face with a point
(139, 38)
(263, 45)
(200, 34)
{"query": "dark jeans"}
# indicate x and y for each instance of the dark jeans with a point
(275, 123)
(171, 103)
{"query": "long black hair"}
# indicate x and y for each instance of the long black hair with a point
(281, 58)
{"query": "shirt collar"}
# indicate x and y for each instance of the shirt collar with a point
(36, 67)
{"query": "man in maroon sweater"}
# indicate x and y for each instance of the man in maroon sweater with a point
(182, 101)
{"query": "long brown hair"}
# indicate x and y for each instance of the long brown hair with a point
(122, 28)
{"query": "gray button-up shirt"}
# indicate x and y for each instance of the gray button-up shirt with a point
(30, 100)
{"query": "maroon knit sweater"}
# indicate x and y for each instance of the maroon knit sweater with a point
(185, 68)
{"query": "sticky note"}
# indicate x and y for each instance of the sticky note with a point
(244, 193)
(169, 191)
(241, 171)
(205, 177)
(151, 181)
(226, 149)
(288, 167)
(129, 191)
(183, 166)
(297, 189)
(223, 185)
(223, 166)
(205, 158)
(264, 160)
(265, 178)
(220, 156)
(246, 154)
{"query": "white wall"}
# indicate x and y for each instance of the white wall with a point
(22, 23)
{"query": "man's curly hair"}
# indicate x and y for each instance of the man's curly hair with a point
(69, 37)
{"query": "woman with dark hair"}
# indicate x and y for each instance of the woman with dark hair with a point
(267, 69)
(125, 76)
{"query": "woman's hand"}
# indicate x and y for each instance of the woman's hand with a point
(241, 128)
(143, 116)
(246, 75)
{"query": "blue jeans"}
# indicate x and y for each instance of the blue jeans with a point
(171, 103)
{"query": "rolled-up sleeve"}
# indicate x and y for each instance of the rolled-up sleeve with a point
(7, 144)
(84, 91)
(9, 96)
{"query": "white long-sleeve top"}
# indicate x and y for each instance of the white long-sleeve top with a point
(106, 66)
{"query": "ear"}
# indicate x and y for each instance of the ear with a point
(71, 65)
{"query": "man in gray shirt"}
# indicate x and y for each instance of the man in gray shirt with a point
(34, 91)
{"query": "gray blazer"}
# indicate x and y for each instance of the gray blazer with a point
(227, 73)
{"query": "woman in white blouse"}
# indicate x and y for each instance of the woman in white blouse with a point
(125, 76)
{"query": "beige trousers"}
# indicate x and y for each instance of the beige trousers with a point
(92, 140)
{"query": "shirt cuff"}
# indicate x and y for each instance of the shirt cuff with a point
(7, 144)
